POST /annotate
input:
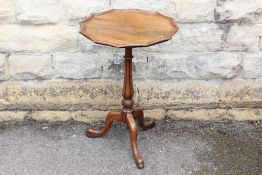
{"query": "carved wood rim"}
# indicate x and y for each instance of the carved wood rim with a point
(153, 42)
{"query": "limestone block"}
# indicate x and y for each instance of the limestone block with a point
(77, 65)
(60, 95)
(12, 115)
(252, 65)
(157, 114)
(53, 116)
(260, 42)
(175, 94)
(113, 65)
(190, 94)
(181, 10)
(28, 67)
(241, 11)
(16, 38)
(242, 38)
(210, 66)
(3, 67)
(106, 95)
(7, 14)
(207, 66)
(199, 114)
(245, 114)
(168, 66)
(89, 116)
(37, 11)
(78, 10)
(218, 114)
(193, 11)
(164, 6)
(197, 37)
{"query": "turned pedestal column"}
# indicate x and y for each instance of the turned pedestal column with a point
(128, 29)
(128, 114)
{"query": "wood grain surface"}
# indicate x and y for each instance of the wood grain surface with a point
(128, 28)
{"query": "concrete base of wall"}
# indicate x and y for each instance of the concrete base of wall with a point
(90, 116)
(89, 101)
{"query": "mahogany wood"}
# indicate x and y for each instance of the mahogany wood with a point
(128, 29)
(128, 114)
(111, 116)
(133, 137)
(139, 113)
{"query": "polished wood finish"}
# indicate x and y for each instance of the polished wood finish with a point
(128, 113)
(111, 116)
(128, 28)
(133, 137)
(139, 114)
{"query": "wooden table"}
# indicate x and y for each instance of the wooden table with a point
(128, 29)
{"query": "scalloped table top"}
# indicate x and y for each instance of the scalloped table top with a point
(128, 28)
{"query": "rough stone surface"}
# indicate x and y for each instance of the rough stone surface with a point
(245, 114)
(199, 114)
(50, 115)
(153, 5)
(260, 42)
(157, 114)
(3, 67)
(6, 11)
(37, 11)
(213, 62)
(195, 37)
(197, 94)
(240, 11)
(78, 10)
(105, 95)
(86, 45)
(89, 116)
(217, 114)
(77, 66)
(252, 65)
(28, 67)
(181, 10)
(198, 37)
(113, 65)
(194, 11)
(60, 95)
(16, 38)
(242, 38)
(207, 66)
(12, 115)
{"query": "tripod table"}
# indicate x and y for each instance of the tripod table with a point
(128, 29)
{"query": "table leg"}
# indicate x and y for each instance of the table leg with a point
(133, 138)
(127, 114)
(139, 114)
(111, 116)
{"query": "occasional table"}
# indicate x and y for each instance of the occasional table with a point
(128, 29)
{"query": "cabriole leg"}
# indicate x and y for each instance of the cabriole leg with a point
(133, 138)
(111, 116)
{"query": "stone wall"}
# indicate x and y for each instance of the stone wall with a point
(212, 69)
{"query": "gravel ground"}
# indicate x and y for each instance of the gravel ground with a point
(172, 147)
